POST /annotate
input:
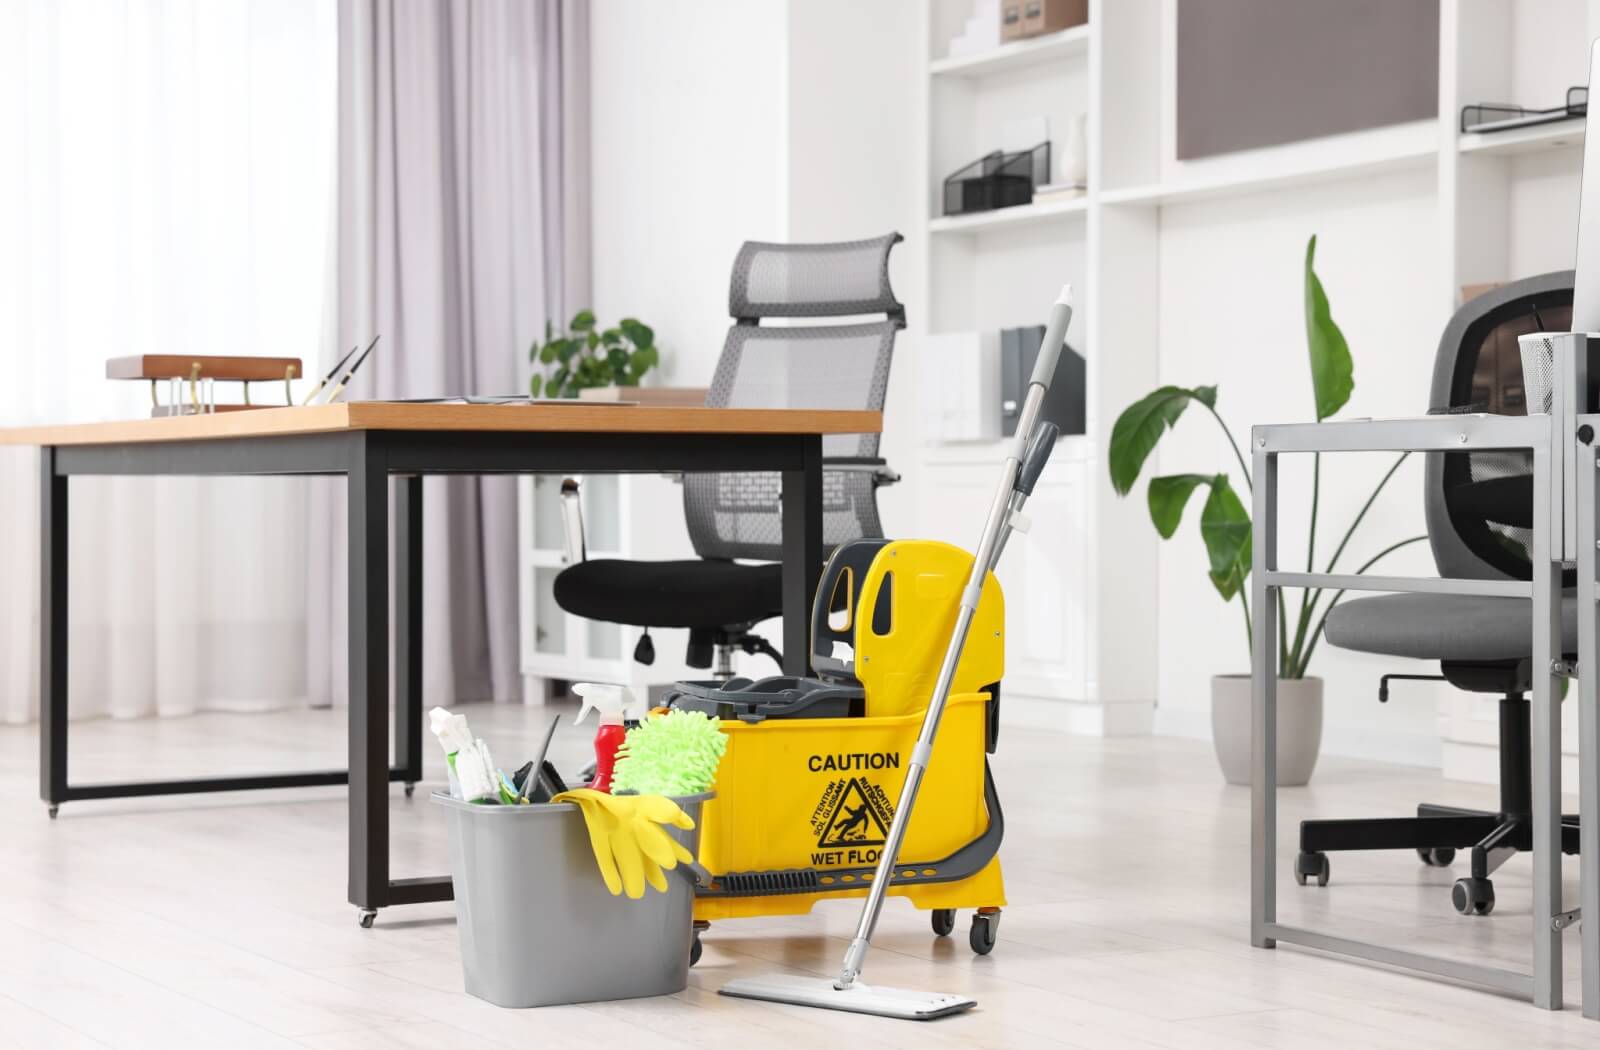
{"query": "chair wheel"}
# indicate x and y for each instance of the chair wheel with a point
(1438, 857)
(367, 917)
(1473, 896)
(696, 949)
(1311, 866)
(985, 929)
(944, 921)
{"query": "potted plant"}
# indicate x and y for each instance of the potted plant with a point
(1225, 529)
(584, 356)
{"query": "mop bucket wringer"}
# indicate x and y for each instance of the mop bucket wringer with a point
(807, 787)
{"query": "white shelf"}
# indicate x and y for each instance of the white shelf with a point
(1004, 218)
(1563, 135)
(1016, 55)
(1395, 148)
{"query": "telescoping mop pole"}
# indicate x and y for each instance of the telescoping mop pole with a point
(1031, 449)
(996, 527)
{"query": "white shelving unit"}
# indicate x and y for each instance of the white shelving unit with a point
(1027, 214)
(1092, 566)
(1566, 134)
(1022, 53)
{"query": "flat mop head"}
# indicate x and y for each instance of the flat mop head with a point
(899, 1003)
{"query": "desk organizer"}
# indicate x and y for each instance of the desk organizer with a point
(997, 180)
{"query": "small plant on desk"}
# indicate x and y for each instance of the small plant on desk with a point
(587, 356)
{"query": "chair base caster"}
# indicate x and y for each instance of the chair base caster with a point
(367, 917)
(1438, 857)
(1473, 896)
(1311, 866)
(985, 930)
(944, 921)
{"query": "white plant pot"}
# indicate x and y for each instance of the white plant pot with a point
(1299, 727)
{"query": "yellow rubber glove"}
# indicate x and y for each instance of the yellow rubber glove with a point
(629, 843)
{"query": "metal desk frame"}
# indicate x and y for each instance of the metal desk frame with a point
(369, 459)
(1447, 433)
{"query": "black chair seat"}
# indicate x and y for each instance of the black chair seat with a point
(692, 593)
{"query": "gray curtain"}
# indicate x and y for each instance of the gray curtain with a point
(462, 225)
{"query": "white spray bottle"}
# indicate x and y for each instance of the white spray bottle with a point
(613, 702)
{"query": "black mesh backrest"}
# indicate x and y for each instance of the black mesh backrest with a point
(1480, 504)
(810, 365)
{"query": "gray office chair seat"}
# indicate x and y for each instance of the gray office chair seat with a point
(1443, 626)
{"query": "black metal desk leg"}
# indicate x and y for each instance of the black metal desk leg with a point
(802, 554)
(368, 487)
(408, 629)
(52, 632)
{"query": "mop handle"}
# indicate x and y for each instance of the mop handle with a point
(995, 526)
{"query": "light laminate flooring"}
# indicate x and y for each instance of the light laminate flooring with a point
(221, 920)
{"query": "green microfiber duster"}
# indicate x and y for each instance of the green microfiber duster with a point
(672, 754)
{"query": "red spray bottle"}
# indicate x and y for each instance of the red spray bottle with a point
(612, 701)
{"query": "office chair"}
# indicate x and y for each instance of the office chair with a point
(1479, 509)
(736, 516)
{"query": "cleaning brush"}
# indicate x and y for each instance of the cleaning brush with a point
(674, 754)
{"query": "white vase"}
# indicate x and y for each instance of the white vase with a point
(1299, 727)
(1072, 169)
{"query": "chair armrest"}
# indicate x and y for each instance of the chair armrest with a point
(878, 468)
(1441, 433)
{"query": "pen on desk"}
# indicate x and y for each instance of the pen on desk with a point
(323, 382)
(345, 379)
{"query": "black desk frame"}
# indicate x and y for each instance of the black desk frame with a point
(369, 459)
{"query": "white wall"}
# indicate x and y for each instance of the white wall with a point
(853, 72)
(1232, 313)
(689, 160)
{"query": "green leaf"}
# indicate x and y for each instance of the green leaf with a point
(547, 353)
(565, 348)
(558, 379)
(533, 386)
(592, 340)
(1168, 496)
(582, 321)
(1225, 527)
(1141, 425)
(1332, 372)
(638, 333)
(617, 358)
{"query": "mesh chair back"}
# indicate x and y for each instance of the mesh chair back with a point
(1480, 504)
(821, 366)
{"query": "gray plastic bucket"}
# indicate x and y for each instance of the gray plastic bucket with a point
(538, 926)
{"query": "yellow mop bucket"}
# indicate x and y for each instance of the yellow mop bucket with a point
(805, 793)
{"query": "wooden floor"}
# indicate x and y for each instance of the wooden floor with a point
(220, 921)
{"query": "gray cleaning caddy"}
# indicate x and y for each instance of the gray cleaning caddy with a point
(538, 926)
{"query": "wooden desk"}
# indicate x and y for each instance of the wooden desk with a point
(370, 443)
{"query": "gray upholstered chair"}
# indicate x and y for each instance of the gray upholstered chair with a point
(1479, 508)
(801, 364)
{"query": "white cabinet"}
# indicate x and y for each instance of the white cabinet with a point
(625, 516)
(1043, 573)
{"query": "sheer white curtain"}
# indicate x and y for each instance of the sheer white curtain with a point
(166, 185)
